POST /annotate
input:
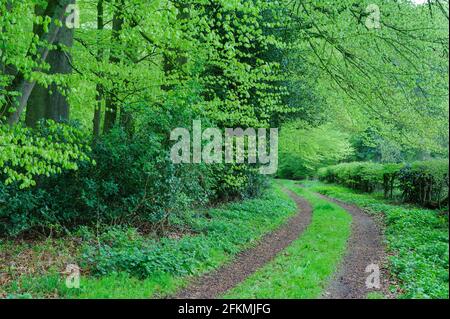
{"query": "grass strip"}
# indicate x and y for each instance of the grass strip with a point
(304, 269)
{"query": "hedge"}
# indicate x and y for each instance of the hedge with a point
(423, 182)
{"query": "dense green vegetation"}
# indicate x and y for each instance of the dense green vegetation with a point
(417, 241)
(91, 90)
(88, 107)
(121, 262)
(304, 269)
(425, 182)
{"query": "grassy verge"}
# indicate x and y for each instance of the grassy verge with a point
(303, 270)
(417, 241)
(123, 263)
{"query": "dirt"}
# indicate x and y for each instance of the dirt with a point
(365, 247)
(213, 285)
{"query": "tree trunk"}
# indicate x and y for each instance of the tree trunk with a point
(98, 107)
(56, 10)
(51, 103)
(170, 65)
(112, 103)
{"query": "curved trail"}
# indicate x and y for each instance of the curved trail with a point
(365, 248)
(214, 284)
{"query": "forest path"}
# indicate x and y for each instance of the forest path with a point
(365, 251)
(215, 284)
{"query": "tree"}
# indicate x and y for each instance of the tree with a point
(23, 82)
(112, 100)
(391, 76)
(50, 102)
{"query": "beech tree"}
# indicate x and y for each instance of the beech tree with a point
(252, 63)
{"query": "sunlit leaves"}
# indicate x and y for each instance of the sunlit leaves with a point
(26, 154)
(304, 149)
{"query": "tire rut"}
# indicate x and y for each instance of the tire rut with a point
(216, 283)
(365, 251)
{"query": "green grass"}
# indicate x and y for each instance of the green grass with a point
(303, 269)
(122, 285)
(417, 240)
(121, 263)
(117, 286)
(375, 295)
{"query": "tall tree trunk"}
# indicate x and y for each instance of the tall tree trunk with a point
(51, 103)
(112, 102)
(98, 108)
(56, 10)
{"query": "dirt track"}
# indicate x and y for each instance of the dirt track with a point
(364, 248)
(213, 285)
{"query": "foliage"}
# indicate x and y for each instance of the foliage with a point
(121, 262)
(48, 150)
(217, 234)
(133, 70)
(385, 73)
(417, 239)
(363, 176)
(133, 180)
(241, 77)
(424, 183)
(131, 183)
(303, 149)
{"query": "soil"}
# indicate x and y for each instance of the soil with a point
(365, 247)
(215, 284)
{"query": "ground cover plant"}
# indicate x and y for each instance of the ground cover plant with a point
(121, 262)
(417, 239)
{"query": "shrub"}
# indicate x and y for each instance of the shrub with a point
(363, 176)
(133, 182)
(424, 183)
(390, 178)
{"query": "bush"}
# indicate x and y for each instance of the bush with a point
(133, 182)
(362, 176)
(424, 183)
